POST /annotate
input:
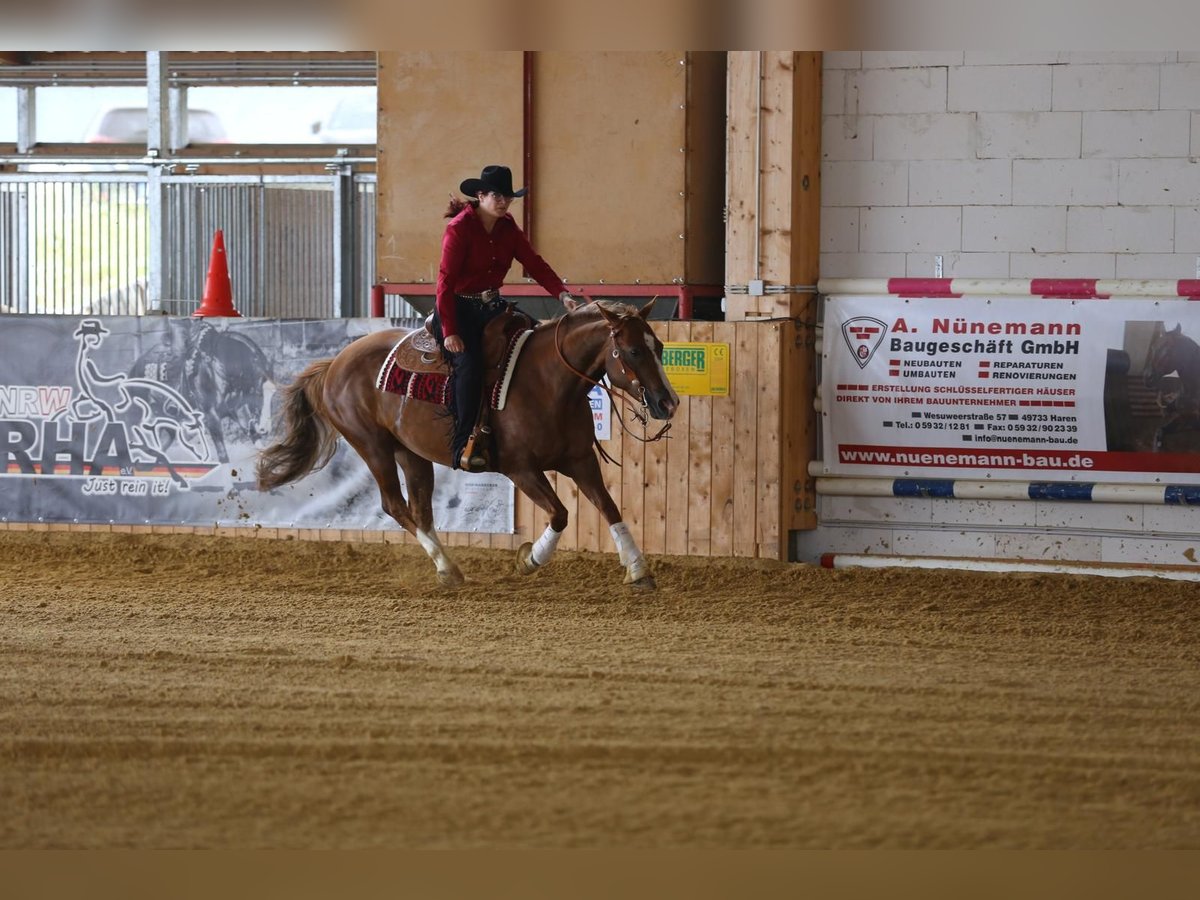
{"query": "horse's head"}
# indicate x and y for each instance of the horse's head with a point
(1162, 357)
(634, 362)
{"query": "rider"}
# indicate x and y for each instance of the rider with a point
(478, 249)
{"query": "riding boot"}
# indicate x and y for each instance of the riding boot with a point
(464, 450)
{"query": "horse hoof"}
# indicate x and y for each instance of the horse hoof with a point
(450, 578)
(637, 575)
(525, 563)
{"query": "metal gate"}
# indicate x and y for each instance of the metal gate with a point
(81, 243)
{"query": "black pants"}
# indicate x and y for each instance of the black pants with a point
(466, 368)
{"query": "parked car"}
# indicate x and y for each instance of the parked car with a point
(127, 125)
(351, 121)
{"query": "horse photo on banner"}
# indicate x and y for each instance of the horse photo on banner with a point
(1012, 387)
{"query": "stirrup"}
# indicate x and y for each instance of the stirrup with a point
(474, 458)
(473, 462)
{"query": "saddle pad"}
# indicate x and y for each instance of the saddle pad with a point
(508, 365)
(433, 386)
(427, 386)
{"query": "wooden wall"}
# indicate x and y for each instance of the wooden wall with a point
(442, 118)
(624, 159)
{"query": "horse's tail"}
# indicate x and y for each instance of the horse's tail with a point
(309, 441)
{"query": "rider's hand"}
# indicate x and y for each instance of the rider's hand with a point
(455, 344)
(570, 302)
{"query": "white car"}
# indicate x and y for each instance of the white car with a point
(351, 122)
(127, 125)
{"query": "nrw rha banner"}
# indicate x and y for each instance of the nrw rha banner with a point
(156, 420)
(1012, 388)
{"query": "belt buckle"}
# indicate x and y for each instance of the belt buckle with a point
(489, 295)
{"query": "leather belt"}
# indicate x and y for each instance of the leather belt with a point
(486, 297)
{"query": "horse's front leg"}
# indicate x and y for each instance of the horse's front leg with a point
(587, 475)
(532, 556)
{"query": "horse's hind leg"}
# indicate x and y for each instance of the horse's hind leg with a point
(381, 460)
(535, 485)
(418, 476)
(586, 473)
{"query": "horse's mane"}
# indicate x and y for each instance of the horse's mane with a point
(615, 306)
(592, 311)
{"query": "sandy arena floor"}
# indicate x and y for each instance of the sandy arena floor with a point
(167, 691)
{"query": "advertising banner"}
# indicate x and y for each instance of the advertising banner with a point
(697, 368)
(1012, 388)
(601, 405)
(155, 420)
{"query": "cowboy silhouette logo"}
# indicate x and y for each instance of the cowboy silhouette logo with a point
(111, 424)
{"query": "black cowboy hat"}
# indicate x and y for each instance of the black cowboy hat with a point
(492, 178)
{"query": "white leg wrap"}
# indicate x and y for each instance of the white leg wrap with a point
(627, 548)
(544, 547)
(431, 545)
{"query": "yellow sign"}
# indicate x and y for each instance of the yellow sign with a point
(697, 369)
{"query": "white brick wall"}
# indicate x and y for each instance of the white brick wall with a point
(897, 91)
(1181, 86)
(864, 184)
(839, 229)
(1150, 182)
(999, 88)
(1062, 265)
(905, 59)
(959, 182)
(1105, 87)
(847, 137)
(900, 229)
(925, 136)
(955, 265)
(1039, 163)
(1031, 135)
(1125, 229)
(1152, 134)
(1020, 229)
(1021, 164)
(1064, 182)
(1158, 265)
(1187, 232)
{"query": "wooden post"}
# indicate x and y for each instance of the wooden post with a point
(773, 241)
(774, 197)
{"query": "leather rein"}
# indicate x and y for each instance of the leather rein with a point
(642, 416)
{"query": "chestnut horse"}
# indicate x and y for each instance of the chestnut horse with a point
(546, 425)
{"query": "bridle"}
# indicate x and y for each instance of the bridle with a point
(642, 416)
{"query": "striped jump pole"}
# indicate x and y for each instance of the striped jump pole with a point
(983, 564)
(1065, 288)
(955, 489)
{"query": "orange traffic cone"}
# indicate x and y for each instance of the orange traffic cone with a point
(218, 296)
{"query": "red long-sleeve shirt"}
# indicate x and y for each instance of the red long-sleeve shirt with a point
(474, 261)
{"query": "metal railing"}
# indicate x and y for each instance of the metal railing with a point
(138, 242)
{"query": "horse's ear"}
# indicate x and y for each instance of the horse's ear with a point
(1178, 329)
(645, 311)
(612, 318)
